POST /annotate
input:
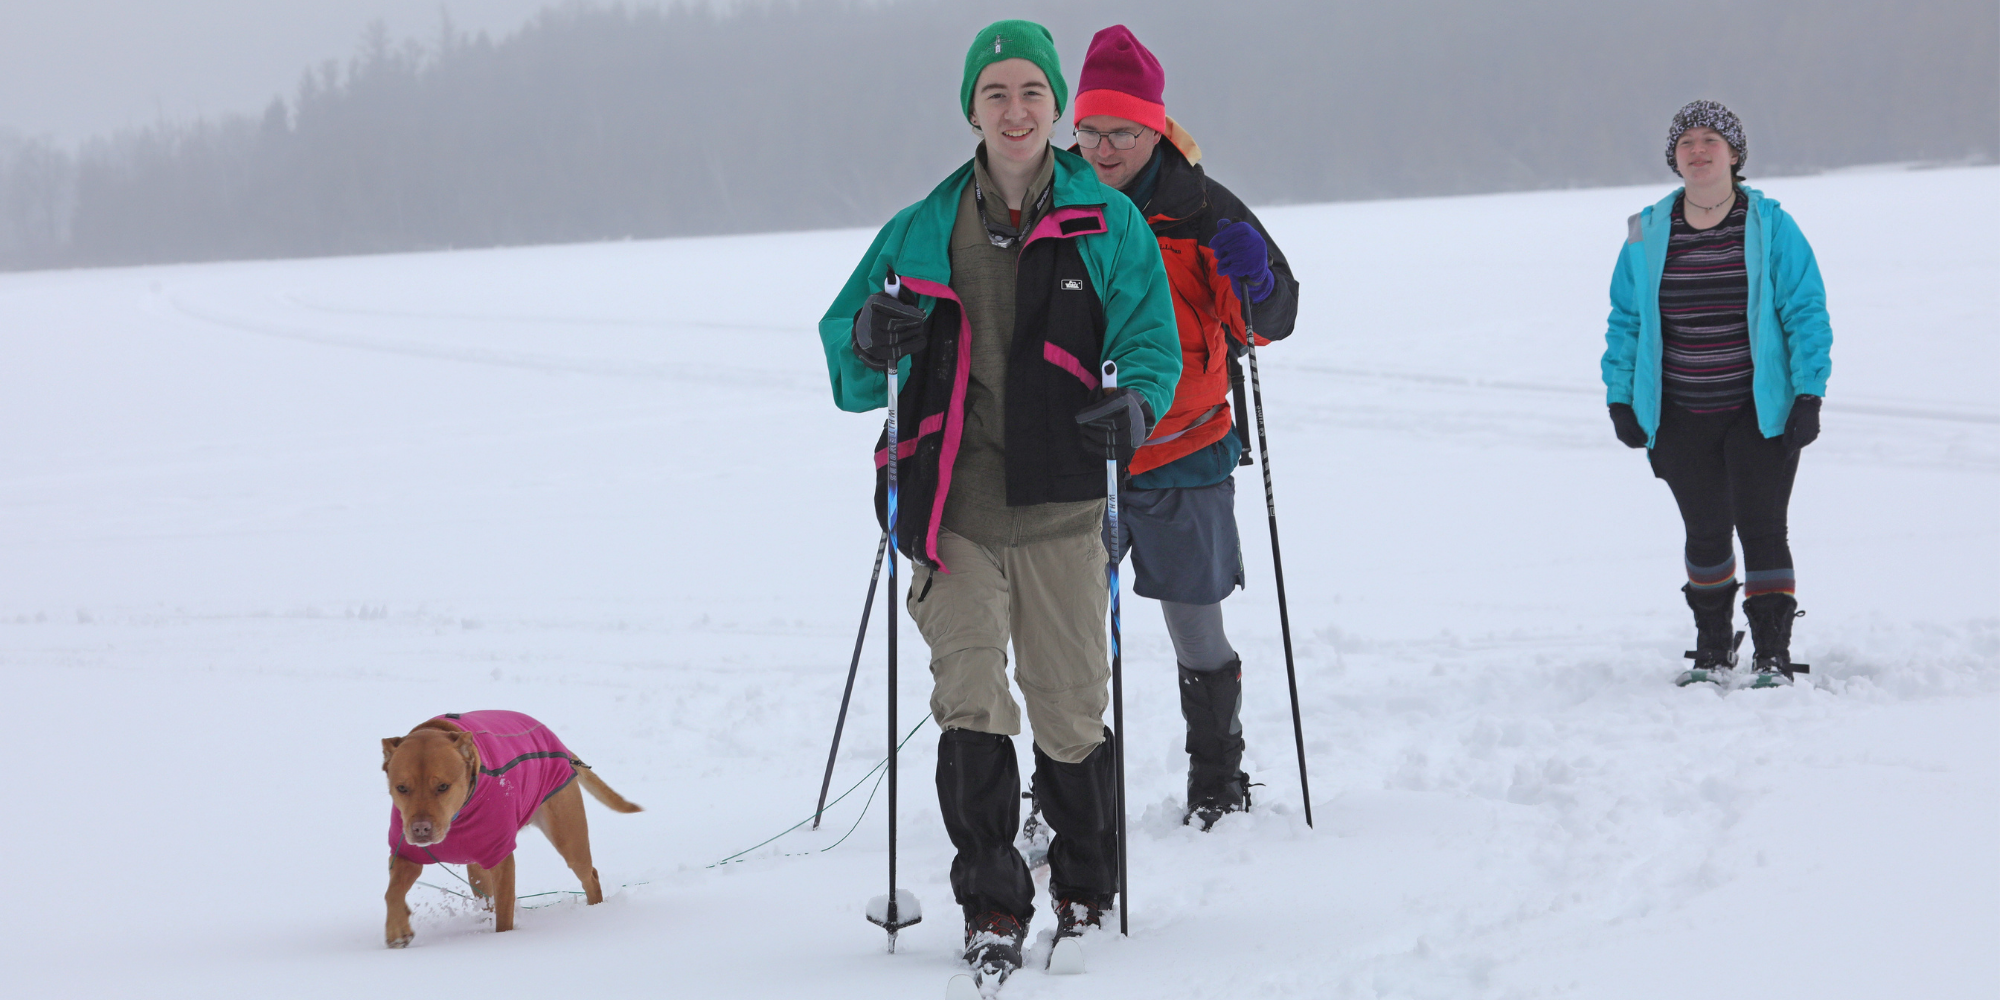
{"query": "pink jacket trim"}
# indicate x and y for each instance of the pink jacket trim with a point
(1067, 222)
(1067, 362)
(908, 446)
(954, 415)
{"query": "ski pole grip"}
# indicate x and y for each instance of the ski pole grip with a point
(1110, 375)
(892, 286)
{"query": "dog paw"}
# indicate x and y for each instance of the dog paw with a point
(401, 942)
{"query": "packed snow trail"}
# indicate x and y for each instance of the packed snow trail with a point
(255, 517)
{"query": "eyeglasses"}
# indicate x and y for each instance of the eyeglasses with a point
(1089, 138)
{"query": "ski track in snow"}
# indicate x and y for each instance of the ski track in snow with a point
(257, 516)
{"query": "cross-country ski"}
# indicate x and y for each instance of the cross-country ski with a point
(1066, 957)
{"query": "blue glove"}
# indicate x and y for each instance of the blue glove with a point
(1241, 254)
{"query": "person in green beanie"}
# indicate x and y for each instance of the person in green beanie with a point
(1019, 276)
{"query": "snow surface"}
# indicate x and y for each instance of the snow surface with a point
(256, 516)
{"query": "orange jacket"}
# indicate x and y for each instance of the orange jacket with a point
(1184, 210)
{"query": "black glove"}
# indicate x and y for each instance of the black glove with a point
(1116, 424)
(887, 328)
(1626, 423)
(1802, 427)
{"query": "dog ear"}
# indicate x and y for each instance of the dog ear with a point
(389, 745)
(466, 749)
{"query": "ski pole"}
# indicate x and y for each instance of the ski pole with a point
(1277, 561)
(893, 287)
(1110, 381)
(853, 667)
(892, 919)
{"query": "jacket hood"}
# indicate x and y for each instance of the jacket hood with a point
(1182, 192)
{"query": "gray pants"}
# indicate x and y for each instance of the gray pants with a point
(1050, 599)
(1199, 641)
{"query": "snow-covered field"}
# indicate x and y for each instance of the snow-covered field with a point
(255, 517)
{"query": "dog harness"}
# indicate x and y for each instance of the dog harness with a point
(521, 764)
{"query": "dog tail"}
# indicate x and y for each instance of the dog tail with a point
(601, 791)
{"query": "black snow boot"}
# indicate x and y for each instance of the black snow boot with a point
(1212, 704)
(979, 792)
(1080, 804)
(993, 943)
(1715, 638)
(1771, 632)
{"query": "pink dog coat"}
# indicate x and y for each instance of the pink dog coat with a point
(521, 764)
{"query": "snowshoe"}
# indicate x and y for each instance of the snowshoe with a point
(1771, 618)
(1210, 808)
(1711, 666)
(1033, 843)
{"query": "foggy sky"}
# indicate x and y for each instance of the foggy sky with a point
(72, 69)
(620, 120)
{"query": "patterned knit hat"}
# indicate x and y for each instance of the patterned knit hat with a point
(1708, 114)
(1003, 40)
(1120, 78)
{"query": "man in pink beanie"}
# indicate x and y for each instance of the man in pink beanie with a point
(1177, 511)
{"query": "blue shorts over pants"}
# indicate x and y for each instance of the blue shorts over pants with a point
(1183, 542)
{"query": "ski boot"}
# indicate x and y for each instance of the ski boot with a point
(1212, 704)
(1075, 913)
(1714, 652)
(1771, 633)
(1078, 913)
(993, 943)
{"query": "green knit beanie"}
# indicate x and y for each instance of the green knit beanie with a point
(1013, 40)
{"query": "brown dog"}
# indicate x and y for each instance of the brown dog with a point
(464, 785)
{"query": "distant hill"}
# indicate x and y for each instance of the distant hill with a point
(594, 123)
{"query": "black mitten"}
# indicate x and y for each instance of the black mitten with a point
(1626, 423)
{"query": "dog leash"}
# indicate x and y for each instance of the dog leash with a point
(880, 765)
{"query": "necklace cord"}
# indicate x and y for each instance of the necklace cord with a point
(1731, 196)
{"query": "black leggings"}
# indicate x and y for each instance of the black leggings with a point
(1726, 476)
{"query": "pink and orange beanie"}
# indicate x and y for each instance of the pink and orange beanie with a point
(1121, 78)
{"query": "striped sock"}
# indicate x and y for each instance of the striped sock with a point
(1769, 581)
(1722, 574)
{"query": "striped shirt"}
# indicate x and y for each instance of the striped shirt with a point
(1704, 316)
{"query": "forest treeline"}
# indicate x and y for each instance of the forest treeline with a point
(606, 122)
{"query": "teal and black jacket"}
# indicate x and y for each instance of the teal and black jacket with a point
(1791, 339)
(1090, 287)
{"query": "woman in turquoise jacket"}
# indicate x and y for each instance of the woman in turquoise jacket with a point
(1717, 355)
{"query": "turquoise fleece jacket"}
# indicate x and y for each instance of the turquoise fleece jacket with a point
(1791, 339)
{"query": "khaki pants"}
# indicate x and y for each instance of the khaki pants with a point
(1050, 599)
